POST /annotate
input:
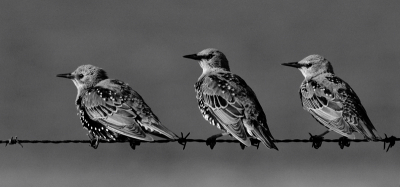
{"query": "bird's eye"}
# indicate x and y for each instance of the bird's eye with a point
(208, 57)
(307, 65)
(80, 76)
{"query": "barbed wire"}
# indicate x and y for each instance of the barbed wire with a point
(183, 140)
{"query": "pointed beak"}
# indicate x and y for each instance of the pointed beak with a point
(292, 64)
(193, 56)
(66, 75)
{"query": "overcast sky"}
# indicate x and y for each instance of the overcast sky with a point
(142, 43)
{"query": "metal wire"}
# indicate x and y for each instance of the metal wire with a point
(183, 140)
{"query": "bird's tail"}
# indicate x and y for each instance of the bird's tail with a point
(264, 135)
(368, 130)
(156, 126)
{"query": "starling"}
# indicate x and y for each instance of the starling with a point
(227, 102)
(330, 100)
(111, 110)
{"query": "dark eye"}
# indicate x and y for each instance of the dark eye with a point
(208, 57)
(307, 65)
(80, 76)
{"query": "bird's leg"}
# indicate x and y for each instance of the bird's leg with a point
(324, 133)
(317, 139)
(211, 141)
(94, 140)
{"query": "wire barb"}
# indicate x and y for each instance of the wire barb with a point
(391, 140)
(183, 140)
(13, 141)
(316, 141)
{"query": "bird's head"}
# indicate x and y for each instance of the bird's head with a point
(85, 76)
(210, 59)
(312, 66)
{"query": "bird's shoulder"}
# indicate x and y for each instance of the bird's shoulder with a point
(222, 83)
(225, 89)
(327, 84)
(110, 93)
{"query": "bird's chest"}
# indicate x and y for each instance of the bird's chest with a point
(311, 88)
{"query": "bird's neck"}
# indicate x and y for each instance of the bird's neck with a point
(207, 71)
(81, 92)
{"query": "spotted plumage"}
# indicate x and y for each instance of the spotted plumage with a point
(109, 108)
(227, 102)
(330, 100)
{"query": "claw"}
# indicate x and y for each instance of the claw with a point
(133, 143)
(344, 141)
(255, 142)
(94, 140)
(211, 141)
(242, 145)
(316, 140)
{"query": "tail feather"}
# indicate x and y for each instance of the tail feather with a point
(265, 136)
(368, 131)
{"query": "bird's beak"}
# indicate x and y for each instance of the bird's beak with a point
(66, 75)
(292, 64)
(193, 56)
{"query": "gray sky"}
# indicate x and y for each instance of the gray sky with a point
(142, 43)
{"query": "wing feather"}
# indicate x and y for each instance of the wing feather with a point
(335, 105)
(119, 108)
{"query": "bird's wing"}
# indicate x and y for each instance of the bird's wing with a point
(354, 113)
(325, 107)
(219, 105)
(146, 118)
(111, 109)
(121, 109)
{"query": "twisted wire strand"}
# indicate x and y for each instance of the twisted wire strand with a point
(188, 140)
(183, 140)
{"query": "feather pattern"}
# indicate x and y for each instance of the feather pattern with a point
(227, 102)
(333, 103)
(112, 105)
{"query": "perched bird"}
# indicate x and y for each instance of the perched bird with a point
(226, 101)
(109, 108)
(330, 100)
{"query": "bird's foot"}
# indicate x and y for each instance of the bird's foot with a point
(94, 140)
(211, 141)
(344, 141)
(255, 142)
(316, 140)
(133, 143)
